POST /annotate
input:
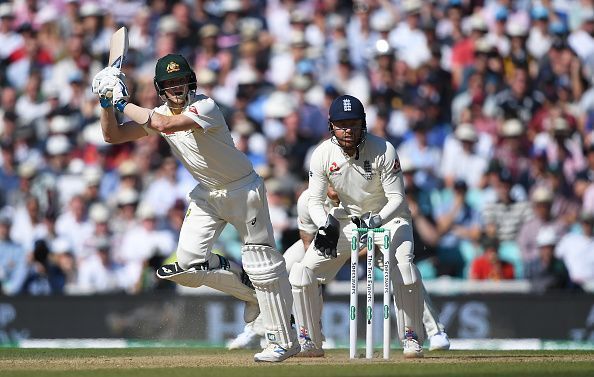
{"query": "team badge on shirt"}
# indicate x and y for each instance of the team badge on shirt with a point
(396, 167)
(334, 169)
(368, 170)
(193, 109)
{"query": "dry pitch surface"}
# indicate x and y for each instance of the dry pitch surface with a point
(173, 362)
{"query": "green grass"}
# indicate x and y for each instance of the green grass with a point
(182, 362)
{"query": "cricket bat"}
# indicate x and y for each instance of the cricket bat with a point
(118, 46)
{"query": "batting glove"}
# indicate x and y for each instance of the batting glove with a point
(120, 96)
(105, 72)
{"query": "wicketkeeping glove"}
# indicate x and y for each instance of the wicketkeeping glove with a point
(369, 221)
(326, 240)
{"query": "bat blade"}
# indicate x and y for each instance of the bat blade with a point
(118, 47)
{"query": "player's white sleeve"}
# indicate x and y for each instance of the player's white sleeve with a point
(147, 129)
(393, 184)
(318, 186)
(206, 113)
(304, 221)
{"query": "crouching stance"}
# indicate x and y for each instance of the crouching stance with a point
(229, 191)
(365, 172)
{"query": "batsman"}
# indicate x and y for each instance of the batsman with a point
(228, 191)
(365, 172)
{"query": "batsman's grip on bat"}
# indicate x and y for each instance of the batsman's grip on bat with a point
(104, 83)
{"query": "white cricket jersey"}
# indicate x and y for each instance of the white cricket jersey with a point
(207, 151)
(304, 221)
(373, 183)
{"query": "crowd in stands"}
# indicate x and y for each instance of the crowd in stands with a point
(489, 104)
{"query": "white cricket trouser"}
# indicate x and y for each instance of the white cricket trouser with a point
(406, 281)
(242, 204)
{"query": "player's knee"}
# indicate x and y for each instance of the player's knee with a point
(404, 252)
(302, 276)
(408, 273)
(263, 264)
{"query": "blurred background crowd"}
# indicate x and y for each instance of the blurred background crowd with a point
(489, 104)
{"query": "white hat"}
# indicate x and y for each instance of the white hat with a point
(90, 9)
(515, 29)
(466, 132)
(230, 6)
(145, 211)
(60, 246)
(92, 175)
(407, 165)
(167, 24)
(298, 39)
(127, 196)
(512, 128)
(46, 14)
(6, 10)
(542, 194)
(478, 23)
(60, 124)
(243, 127)
(57, 144)
(27, 169)
(560, 124)
(279, 105)
(206, 76)
(381, 21)
(412, 6)
(99, 213)
(92, 134)
(246, 76)
(546, 237)
(128, 167)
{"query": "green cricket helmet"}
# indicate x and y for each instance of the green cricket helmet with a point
(173, 66)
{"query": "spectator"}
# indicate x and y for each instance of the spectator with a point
(577, 251)
(504, 218)
(489, 266)
(542, 200)
(13, 260)
(547, 273)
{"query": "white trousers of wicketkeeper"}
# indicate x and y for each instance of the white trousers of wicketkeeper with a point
(243, 204)
(433, 326)
(406, 280)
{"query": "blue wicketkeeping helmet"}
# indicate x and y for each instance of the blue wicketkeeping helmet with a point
(347, 107)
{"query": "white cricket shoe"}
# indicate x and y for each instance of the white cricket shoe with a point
(439, 342)
(309, 349)
(273, 353)
(412, 348)
(248, 339)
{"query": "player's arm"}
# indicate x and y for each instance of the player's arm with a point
(318, 187)
(106, 82)
(306, 237)
(392, 183)
(203, 114)
(114, 133)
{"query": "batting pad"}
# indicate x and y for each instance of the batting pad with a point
(408, 292)
(266, 269)
(307, 303)
(219, 279)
